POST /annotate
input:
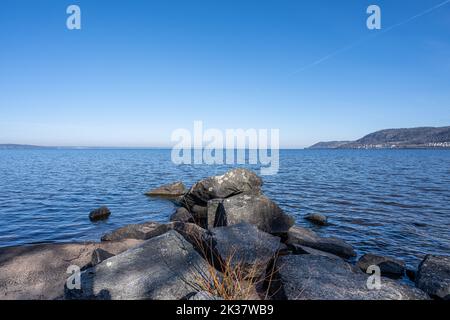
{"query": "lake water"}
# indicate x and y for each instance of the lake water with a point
(392, 202)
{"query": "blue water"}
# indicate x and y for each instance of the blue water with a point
(392, 202)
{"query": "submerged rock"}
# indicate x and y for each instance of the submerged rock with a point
(388, 266)
(244, 247)
(254, 209)
(433, 276)
(308, 238)
(175, 189)
(317, 219)
(315, 277)
(101, 213)
(231, 183)
(163, 268)
(143, 231)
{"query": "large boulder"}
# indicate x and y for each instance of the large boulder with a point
(172, 190)
(305, 237)
(389, 267)
(433, 276)
(40, 271)
(101, 213)
(142, 231)
(316, 277)
(243, 247)
(254, 209)
(231, 183)
(163, 268)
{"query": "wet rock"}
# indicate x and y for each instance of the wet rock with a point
(433, 276)
(143, 231)
(243, 246)
(101, 213)
(163, 268)
(389, 267)
(231, 183)
(182, 215)
(254, 209)
(36, 272)
(99, 255)
(316, 277)
(172, 190)
(317, 219)
(308, 238)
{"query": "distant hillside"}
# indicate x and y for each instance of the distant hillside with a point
(19, 146)
(423, 137)
(329, 144)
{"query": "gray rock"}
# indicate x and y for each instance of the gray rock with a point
(389, 266)
(143, 231)
(101, 213)
(231, 183)
(254, 209)
(99, 255)
(198, 237)
(315, 277)
(317, 219)
(433, 276)
(182, 215)
(308, 238)
(298, 249)
(175, 189)
(204, 295)
(39, 272)
(163, 268)
(243, 246)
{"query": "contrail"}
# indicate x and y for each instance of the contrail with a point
(351, 46)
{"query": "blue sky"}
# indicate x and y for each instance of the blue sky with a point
(140, 69)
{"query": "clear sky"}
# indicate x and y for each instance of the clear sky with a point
(137, 70)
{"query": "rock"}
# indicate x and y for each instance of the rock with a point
(254, 209)
(182, 215)
(143, 231)
(204, 295)
(411, 274)
(36, 272)
(308, 238)
(298, 249)
(316, 277)
(172, 190)
(99, 255)
(389, 266)
(317, 219)
(433, 276)
(198, 237)
(101, 213)
(244, 247)
(163, 268)
(231, 183)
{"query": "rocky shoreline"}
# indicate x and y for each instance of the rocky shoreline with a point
(226, 240)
